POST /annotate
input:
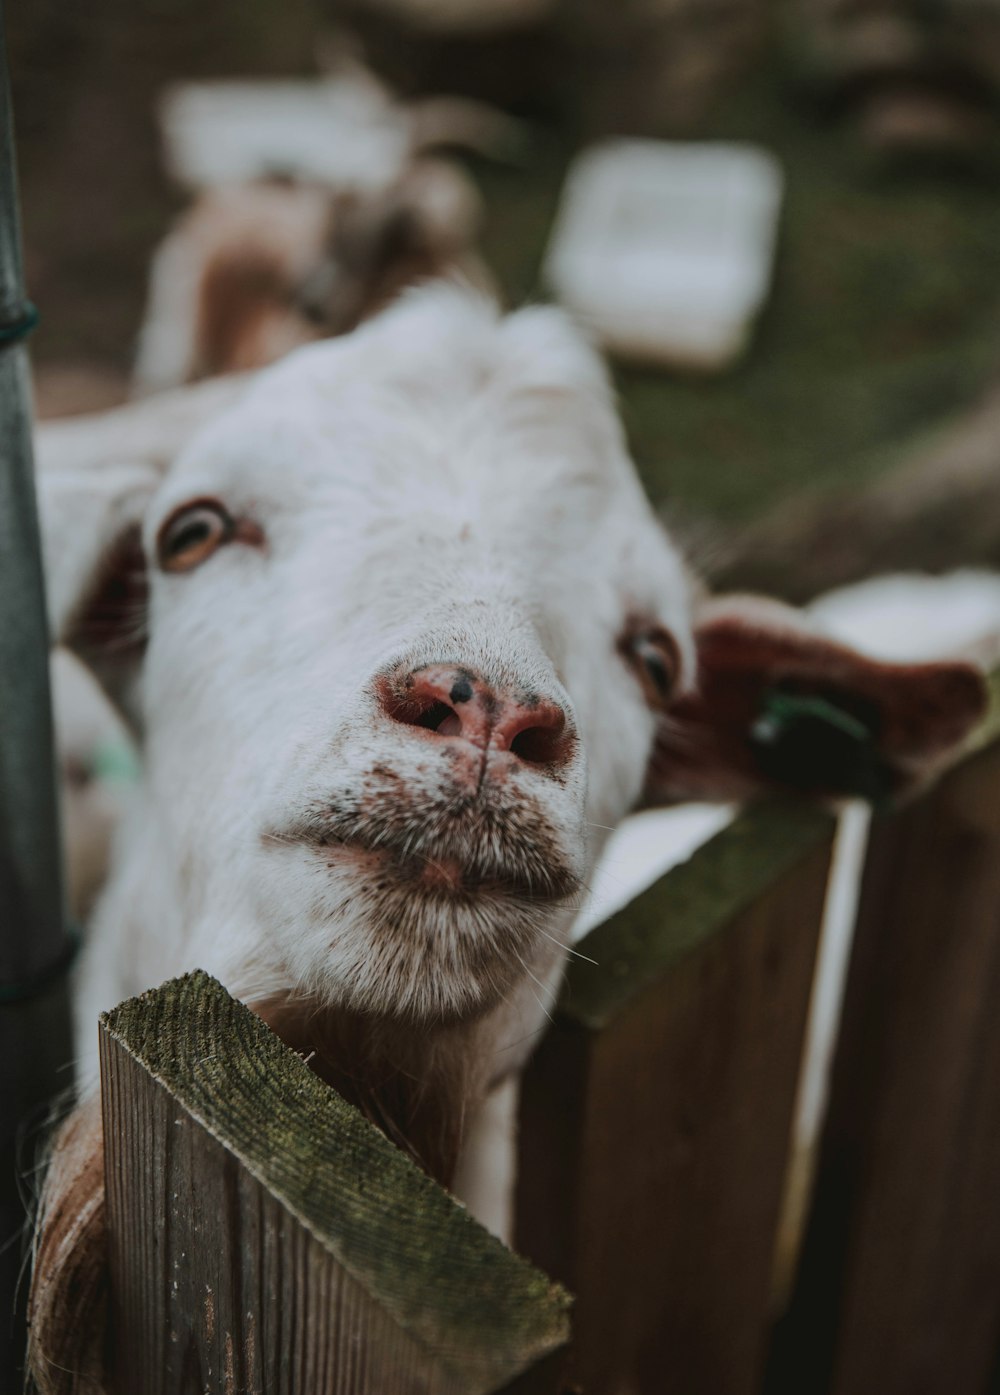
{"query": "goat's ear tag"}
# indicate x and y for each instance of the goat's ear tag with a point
(809, 743)
(115, 762)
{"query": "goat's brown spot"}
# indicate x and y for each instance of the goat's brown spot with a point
(245, 303)
(913, 712)
(113, 616)
(387, 773)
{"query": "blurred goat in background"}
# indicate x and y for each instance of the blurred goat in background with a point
(316, 203)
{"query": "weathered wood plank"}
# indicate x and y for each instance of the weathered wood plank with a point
(264, 1237)
(899, 1287)
(657, 1112)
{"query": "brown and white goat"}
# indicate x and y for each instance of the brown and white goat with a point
(255, 270)
(403, 641)
(317, 202)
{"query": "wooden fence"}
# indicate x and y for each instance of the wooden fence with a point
(265, 1238)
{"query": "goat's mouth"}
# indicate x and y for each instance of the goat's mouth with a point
(475, 853)
(443, 874)
(430, 911)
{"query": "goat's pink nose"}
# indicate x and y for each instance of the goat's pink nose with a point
(451, 702)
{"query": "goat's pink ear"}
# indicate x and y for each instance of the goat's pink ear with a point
(776, 706)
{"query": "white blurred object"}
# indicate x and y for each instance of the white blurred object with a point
(340, 130)
(665, 250)
(641, 850)
(346, 129)
(467, 16)
(913, 616)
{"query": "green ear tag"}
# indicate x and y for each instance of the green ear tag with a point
(808, 743)
(115, 762)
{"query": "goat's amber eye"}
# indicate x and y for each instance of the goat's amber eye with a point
(655, 657)
(191, 534)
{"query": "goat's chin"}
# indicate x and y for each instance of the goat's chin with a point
(437, 934)
(434, 955)
(427, 950)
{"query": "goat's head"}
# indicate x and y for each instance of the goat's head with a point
(411, 642)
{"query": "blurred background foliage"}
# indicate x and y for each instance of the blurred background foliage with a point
(884, 321)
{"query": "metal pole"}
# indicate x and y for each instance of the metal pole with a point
(34, 947)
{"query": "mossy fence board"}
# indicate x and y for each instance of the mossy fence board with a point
(656, 1115)
(266, 1238)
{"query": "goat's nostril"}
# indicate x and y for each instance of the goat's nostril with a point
(535, 733)
(450, 725)
(539, 745)
(439, 717)
(424, 700)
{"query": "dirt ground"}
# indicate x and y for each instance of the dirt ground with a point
(884, 321)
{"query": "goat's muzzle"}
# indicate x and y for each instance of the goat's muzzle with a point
(495, 728)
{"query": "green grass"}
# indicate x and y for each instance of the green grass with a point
(884, 318)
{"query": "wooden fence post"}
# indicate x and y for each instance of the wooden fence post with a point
(657, 1112)
(899, 1284)
(266, 1238)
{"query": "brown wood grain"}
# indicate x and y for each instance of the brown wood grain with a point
(266, 1240)
(899, 1286)
(655, 1134)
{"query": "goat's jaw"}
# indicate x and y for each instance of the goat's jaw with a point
(429, 939)
(429, 903)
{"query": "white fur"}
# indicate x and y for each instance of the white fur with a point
(443, 485)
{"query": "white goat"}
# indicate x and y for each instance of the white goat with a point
(403, 640)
